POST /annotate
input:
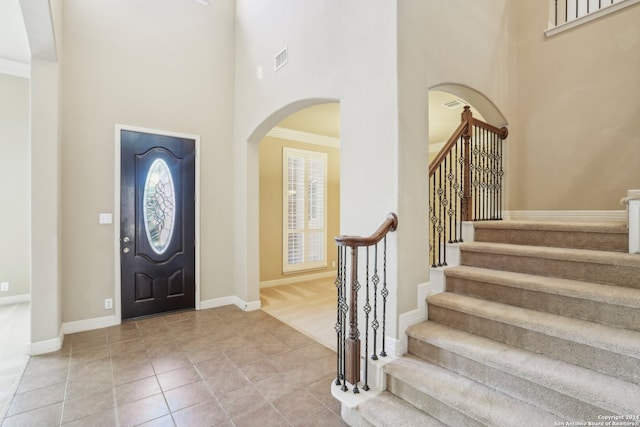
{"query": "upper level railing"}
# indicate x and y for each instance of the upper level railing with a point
(373, 262)
(465, 183)
(567, 14)
(568, 10)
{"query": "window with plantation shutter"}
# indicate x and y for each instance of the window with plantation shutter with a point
(305, 207)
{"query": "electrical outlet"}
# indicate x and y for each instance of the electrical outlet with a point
(108, 304)
(4, 286)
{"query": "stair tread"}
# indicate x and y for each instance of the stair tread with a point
(562, 254)
(608, 338)
(578, 382)
(617, 295)
(388, 410)
(563, 226)
(473, 399)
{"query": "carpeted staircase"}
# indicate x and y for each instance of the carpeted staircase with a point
(539, 326)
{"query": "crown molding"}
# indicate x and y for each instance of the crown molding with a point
(15, 68)
(300, 136)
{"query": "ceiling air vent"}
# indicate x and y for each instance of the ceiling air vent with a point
(280, 59)
(453, 104)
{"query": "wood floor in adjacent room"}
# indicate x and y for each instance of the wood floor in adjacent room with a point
(309, 307)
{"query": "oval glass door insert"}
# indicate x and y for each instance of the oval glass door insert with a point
(159, 206)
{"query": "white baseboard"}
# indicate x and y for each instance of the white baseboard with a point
(297, 279)
(595, 216)
(230, 300)
(15, 299)
(47, 346)
(411, 318)
(89, 324)
(634, 227)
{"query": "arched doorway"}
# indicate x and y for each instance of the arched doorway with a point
(299, 200)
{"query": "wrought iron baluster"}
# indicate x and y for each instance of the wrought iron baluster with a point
(434, 219)
(367, 310)
(375, 280)
(454, 195)
(443, 209)
(485, 171)
(343, 319)
(440, 219)
(385, 294)
(338, 325)
(450, 176)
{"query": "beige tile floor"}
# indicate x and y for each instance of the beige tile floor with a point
(15, 321)
(219, 366)
(309, 307)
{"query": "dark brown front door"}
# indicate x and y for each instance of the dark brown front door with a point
(157, 223)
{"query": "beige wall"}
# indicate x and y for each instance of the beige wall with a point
(159, 64)
(271, 206)
(453, 42)
(15, 178)
(575, 141)
(338, 51)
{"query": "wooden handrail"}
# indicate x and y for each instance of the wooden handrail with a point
(390, 224)
(433, 166)
(460, 130)
(502, 133)
(465, 182)
(374, 287)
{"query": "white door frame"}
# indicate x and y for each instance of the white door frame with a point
(117, 303)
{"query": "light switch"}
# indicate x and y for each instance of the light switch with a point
(105, 218)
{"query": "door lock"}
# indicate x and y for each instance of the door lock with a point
(126, 239)
(126, 250)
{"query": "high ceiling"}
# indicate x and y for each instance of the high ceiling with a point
(324, 119)
(14, 45)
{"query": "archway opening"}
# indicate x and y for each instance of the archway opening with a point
(299, 215)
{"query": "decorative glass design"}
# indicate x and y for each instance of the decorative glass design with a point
(159, 206)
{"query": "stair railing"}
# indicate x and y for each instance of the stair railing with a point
(465, 183)
(349, 285)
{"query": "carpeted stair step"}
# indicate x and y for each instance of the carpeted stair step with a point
(387, 410)
(612, 305)
(608, 350)
(576, 264)
(579, 235)
(566, 390)
(456, 400)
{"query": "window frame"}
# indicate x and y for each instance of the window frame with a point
(307, 155)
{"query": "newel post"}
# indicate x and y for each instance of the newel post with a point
(467, 209)
(352, 369)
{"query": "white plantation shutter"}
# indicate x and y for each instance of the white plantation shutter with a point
(304, 213)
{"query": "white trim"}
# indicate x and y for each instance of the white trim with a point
(411, 318)
(15, 68)
(300, 136)
(15, 299)
(47, 346)
(634, 227)
(116, 211)
(598, 216)
(589, 17)
(297, 279)
(89, 324)
(231, 300)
